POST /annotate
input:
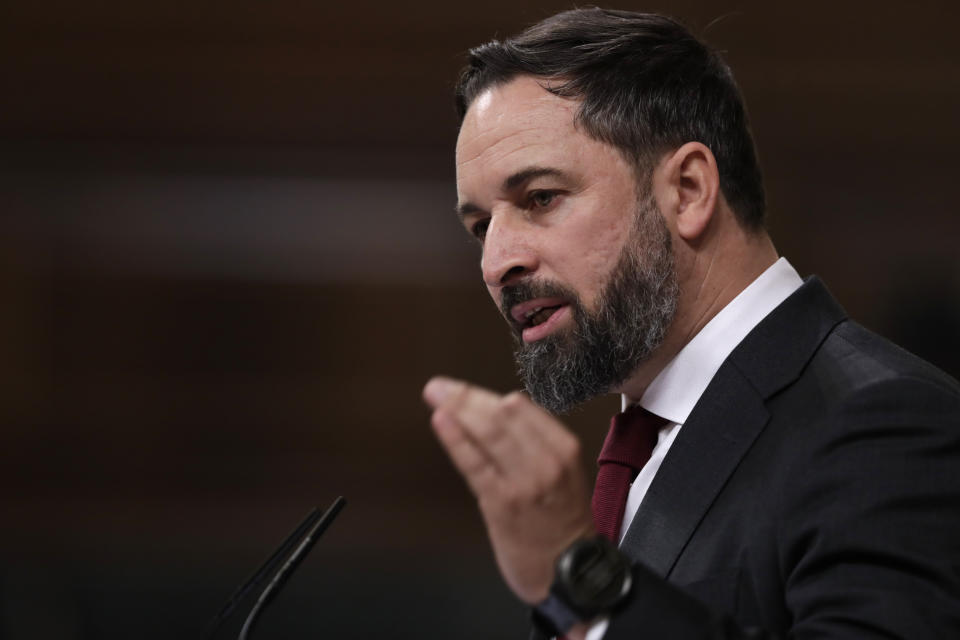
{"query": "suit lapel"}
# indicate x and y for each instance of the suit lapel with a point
(719, 431)
(724, 424)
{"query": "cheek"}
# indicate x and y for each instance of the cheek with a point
(598, 265)
(597, 252)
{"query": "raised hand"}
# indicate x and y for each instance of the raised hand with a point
(524, 468)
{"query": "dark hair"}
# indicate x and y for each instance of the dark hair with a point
(646, 86)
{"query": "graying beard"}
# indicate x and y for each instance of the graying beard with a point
(635, 311)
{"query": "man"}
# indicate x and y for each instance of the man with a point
(804, 473)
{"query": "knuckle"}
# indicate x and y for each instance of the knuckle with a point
(473, 467)
(513, 497)
(572, 450)
(568, 448)
(553, 473)
(513, 403)
(491, 431)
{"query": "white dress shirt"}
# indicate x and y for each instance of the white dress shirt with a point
(678, 387)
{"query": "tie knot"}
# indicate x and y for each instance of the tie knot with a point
(631, 438)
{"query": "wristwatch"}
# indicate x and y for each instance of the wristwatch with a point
(591, 578)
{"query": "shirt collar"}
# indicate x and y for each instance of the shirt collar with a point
(678, 387)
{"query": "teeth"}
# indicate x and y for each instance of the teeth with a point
(532, 312)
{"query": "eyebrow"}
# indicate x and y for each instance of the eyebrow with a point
(511, 182)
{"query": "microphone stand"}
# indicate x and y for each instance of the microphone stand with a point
(303, 538)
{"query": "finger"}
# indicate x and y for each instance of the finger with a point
(537, 430)
(524, 442)
(498, 425)
(550, 432)
(477, 468)
(440, 391)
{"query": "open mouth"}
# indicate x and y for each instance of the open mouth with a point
(537, 317)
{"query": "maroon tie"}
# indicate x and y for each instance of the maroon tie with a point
(627, 448)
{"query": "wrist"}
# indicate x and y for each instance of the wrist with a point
(592, 577)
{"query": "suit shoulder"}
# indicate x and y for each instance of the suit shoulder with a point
(853, 360)
(859, 387)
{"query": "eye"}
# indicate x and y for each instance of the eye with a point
(479, 229)
(541, 199)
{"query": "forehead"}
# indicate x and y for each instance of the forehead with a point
(521, 106)
(515, 123)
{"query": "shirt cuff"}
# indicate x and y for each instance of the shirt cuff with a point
(598, 629)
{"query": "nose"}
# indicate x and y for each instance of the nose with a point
(507, 253)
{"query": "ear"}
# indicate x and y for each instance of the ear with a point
(691, 180)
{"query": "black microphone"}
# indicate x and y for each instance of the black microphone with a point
(301, 540)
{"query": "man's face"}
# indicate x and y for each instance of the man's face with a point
(578, 262)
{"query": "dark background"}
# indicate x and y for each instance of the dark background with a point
(229, 263)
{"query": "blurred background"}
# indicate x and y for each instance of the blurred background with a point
(229, 262)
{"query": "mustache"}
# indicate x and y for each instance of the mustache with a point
(512, 295)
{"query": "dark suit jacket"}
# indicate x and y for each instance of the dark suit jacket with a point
(814, 492)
